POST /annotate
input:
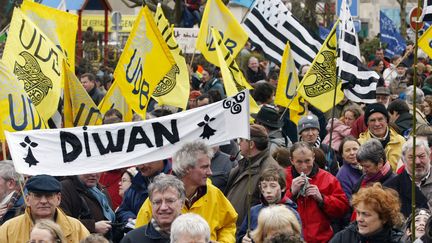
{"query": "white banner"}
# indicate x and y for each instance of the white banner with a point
(81, 150)
(186, 39)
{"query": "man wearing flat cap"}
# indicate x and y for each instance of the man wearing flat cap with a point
(256, 158)
(42, 201)
(269, 118)
(377, 118)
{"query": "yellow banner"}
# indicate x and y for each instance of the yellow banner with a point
(174, 88)
(319, 84)
(97, 22)
(145, 60)
(36, 61)
(233, 78)
(60, 27)
(425, 41)
(115, 100)
(218, 16)
(79, 108)
(17, 112)
(288, 80)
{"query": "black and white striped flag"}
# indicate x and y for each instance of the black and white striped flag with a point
(358, 82)
(271, 25)
(427, 11)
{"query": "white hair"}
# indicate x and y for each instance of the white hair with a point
(189, 224)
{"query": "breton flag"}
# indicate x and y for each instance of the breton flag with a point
(427, 11)
(271, 25)
(358, 82)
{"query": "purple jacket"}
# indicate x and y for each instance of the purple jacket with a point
(348, 177)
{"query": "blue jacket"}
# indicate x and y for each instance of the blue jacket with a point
(135, 196)
(348, 177)
(254, 217)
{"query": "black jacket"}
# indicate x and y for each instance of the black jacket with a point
(145, 234)
(402, 184)
(351, 235)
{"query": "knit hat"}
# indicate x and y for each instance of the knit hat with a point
(309, 121)
(376, 107)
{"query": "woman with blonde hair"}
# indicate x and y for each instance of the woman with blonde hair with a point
(378, 217)
(275, 220)
(47, 231)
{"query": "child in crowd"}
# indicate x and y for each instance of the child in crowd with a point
(272, 186)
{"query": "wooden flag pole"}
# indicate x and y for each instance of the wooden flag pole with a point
(413, 185)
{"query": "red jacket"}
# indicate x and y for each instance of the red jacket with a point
(316, 218)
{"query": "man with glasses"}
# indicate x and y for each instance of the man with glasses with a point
(42, 201)
(377, 119)
(191, 164)
(167, 195)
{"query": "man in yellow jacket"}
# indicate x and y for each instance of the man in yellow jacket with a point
(42, 201)
(191, 164)
(377, 118)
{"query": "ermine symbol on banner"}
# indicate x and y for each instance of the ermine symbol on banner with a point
(30, 159)
(208, 131)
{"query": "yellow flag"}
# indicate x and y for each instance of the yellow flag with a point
(36, 62)
(115, 100)
(425, 42)
(233, 78)
(218, 16)
(59, 26)
(174, 88)
(288, 80)
(17, 112)
(319, 84)
(144, 62)
(79, 108)
(286, 90)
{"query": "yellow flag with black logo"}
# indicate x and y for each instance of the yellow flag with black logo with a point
(17, 112)
(60, 27)
(174, 88)
(79, 108)
(36, 61)
(319, 84)
(218, 16)
(115, 100)
(145, 60)
(233, 78)
(425, 42)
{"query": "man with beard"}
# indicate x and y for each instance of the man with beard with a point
(402, 182)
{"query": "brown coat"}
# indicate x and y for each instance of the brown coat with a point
(78, 202)
(236, 189)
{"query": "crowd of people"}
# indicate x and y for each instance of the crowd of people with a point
(325, 178)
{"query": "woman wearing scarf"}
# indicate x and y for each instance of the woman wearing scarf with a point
(372, 158)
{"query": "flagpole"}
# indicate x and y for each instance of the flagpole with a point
(397, 64)
(332, 124)
(4, 149)
(413, 176)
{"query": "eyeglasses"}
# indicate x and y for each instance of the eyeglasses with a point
(168, 201)
(39, 196)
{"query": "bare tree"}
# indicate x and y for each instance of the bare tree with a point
(403, 15)
(307, 14)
